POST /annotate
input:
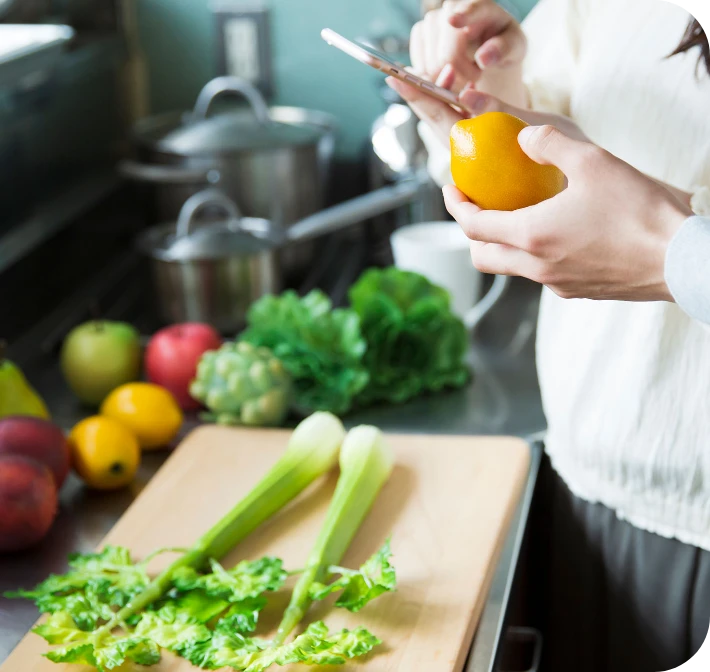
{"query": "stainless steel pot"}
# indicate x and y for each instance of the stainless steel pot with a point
(273, 162)
(214, 286)
(212, 272)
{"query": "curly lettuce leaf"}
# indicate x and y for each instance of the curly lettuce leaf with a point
(358, 587)
(415, 343)
(320, 347)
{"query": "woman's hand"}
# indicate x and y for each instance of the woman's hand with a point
(604, 237)
(471, 41)
(441, 117)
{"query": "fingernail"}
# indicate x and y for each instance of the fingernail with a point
(525, 135)
(488, 58)
(445, 73)
(475, 101)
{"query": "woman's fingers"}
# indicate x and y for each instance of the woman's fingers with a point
(486, 226)
(503, 260)
(548, 145)
(440, 116)
(478, 103)
(417, 46)
(503, 50)
(447, 77)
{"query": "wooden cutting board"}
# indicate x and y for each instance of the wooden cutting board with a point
(447, 506)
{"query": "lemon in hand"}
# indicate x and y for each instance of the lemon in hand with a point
(489, 166)
(148, 410)
(104, 452)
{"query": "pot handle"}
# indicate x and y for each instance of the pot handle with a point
(201, 200)
(222, 85)
(357, 209)
(142, 172)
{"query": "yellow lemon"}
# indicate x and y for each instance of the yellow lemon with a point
(489, 166)
(104, 452)
(148, 410)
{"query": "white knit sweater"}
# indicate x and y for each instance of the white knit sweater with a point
(626, 386)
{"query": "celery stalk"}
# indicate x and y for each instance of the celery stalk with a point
(312, 451)
(365, 465)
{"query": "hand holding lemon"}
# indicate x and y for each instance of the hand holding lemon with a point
(491, 169)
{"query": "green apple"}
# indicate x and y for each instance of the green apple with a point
(99, 356)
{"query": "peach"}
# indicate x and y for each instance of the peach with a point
(39, 439)
(28, 502)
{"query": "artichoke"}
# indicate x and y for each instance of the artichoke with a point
(243, 385)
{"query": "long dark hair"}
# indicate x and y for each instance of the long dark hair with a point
(695, 37)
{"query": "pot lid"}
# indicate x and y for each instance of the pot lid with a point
(236, 132)
(230, 235)
(250, 128)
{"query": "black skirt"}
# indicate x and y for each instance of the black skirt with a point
(606, 595)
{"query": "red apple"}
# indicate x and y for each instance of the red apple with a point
(172, 356)
(28, 502)
(39, 439)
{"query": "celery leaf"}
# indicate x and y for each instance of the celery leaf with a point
(247, 580)
(101, 649)
(375, 577)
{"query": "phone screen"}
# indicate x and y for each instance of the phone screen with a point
(379, 61)
(379, 55)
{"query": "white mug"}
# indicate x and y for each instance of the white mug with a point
(440, 252)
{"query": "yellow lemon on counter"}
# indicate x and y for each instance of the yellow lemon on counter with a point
(104, 452)
(148, 410)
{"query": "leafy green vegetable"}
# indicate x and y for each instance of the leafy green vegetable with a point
(174, 636)
(375, 577)
(192, 607)
(315, 646)
(366, 463)
(243, 385)
(242, 617)
(95, 583)
(415, 344)
(321, 348)
(100, 649)
(247, 579)
(108, 577)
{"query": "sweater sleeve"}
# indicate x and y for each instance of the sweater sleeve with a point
(687, 268)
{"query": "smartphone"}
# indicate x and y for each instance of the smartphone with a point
(375, 59)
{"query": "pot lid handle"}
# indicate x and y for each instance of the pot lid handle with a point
(222, 85)
(201, 200)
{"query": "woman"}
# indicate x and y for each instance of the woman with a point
(625, 381)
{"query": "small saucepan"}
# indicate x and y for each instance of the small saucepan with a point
(212, 271)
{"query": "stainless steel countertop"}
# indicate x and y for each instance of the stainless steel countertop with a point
(502, 399)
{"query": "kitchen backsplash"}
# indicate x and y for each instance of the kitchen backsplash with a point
(178, 39)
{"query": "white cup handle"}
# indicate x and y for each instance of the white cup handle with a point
(474, 316)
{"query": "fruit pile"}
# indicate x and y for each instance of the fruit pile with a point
(101, 362)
